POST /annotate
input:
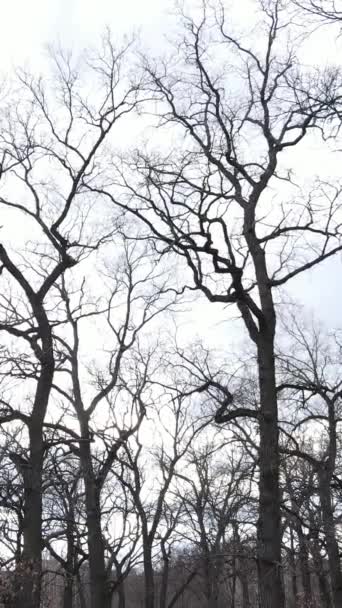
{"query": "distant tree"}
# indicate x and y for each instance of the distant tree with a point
(63, 519)
(148, 473)
(298, 491)
(213, 518)
(312, 374)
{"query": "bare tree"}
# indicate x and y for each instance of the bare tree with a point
(313, 377)
(63, 518)
(297, 494)
(213, 518)
(51, 135)
(110, 401)
(206, 200)
(179, 430)
(328, 11)
(123, 538)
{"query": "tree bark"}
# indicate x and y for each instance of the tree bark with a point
(246, 603)
(211, 582)
(293, 570)
(68, 592)
(268, 527)
(148, 577)
(81, 594)
(164, 581)
(28, 577)
(234, 578)
(121, 596)
(304, 568)
(269, 532)
(99, 590)
(241, 565)
(29, 571)
(324, 592)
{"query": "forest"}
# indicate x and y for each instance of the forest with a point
(170, 361)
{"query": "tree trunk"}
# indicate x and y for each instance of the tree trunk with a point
(213, 602)
(164, 582)
(240, 566)
(245, 593)
(148, 577)
(29, 574)
(28, 578)
(304, 569)
(324, 593)
(269, 531)
(121, 596)
(212, 587)
(99, 590)
(294, 599)
(81, 594)
(330, 538)
(29, 571)
(262, 332)
(234, 578)
(246, 603)
(70, 558)
(68, 591)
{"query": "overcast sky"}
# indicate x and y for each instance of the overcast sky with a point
(26, 27)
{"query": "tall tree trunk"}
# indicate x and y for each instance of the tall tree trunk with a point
(121, 596)
(240, 565)
(294, 599)
(323, 586)
(304, 568)
(99, 589)
(214, 598)
(234, 578)
(29, 572)
(70, 559)
(269, 531)
(246, 603)
(28, 578)
(149, 591)
(164, 581)
(262, 331)
(210, 581)
(81, 594)
(68, 592)
(330, 538)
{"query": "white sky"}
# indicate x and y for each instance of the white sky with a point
(26, 27)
